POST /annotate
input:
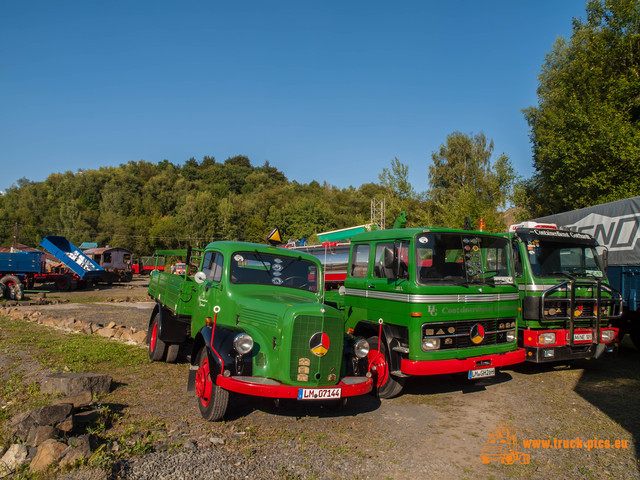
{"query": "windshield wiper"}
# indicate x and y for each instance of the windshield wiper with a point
(291, 262)
(585, 274)
(483, 281)
(262, 261)
(561, 274)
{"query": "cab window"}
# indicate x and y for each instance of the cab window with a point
(391, 260)
(360, 261)
(212, 266)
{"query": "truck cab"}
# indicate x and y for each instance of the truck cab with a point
(431, 301)
(258, 326)
(567, 304)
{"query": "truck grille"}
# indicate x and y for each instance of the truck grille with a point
(485, 332)
(307, 367)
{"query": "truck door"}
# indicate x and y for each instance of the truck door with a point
(356, 282)
(388, 283)
(210, 293)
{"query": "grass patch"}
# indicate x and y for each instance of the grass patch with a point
(58, 350)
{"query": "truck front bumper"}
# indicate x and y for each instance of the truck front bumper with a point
(267, 387)
(564, 353)
(437, 367)
(562, 350)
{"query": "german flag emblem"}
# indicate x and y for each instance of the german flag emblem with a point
(319, 344)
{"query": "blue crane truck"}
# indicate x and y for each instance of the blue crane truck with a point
(616, 226)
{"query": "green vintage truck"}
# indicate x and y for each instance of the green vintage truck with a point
(256, 324)
(567, 304)
(431, 301)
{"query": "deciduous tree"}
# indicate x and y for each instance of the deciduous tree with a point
(585, 129)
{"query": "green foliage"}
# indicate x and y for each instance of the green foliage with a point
(143, 206)
(586, 128)
(400, 196)
(465, 183)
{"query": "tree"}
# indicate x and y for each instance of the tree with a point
(585, 130)
(464, 183)
(396, 181)
(400, 195)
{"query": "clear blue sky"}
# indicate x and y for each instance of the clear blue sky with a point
(327, 90)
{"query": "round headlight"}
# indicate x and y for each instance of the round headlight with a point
(430, 343)
(361, 348)
(243, 343)
(608, 335)
(548, 338)
(511, 335)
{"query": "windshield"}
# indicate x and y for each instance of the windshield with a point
(462, 259)
(279, 270)
(551, 258)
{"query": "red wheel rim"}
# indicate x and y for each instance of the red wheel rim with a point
(10, 283)
(377, 360)
(203, 383)
(154, 336)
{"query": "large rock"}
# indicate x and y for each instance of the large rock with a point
(51, 414)
(20, 425)
(83, 399)
(14, 458)
(140, 337)
(76, 383)
(79, 447)
(40, 434)
(49, 452)
(106, 332)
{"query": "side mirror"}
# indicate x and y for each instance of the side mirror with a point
(603, 253)
(200, 278)
(389, 258)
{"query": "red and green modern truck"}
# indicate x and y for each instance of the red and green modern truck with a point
(616, 227)
(430, 301)
(254, 318)
(567, 304)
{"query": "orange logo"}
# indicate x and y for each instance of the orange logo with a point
(502, 446)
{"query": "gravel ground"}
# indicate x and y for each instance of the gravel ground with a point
(436, 428)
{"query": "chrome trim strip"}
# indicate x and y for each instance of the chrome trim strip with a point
(412, 298)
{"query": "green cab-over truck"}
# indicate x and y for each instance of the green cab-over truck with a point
(254, 317)
(431, 301)
(567, 304)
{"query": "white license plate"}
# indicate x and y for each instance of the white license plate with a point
(319, 393)
(483, 372)
(582, 337)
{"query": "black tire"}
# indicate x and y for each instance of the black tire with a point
(14, 287)
(157, 348)
(63, 283)
(213, 401)
(385, 385)
(172, 352)
(635, 336)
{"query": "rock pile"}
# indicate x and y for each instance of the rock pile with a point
(111, 330)
(56, 434)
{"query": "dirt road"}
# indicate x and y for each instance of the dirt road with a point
(560, 417)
